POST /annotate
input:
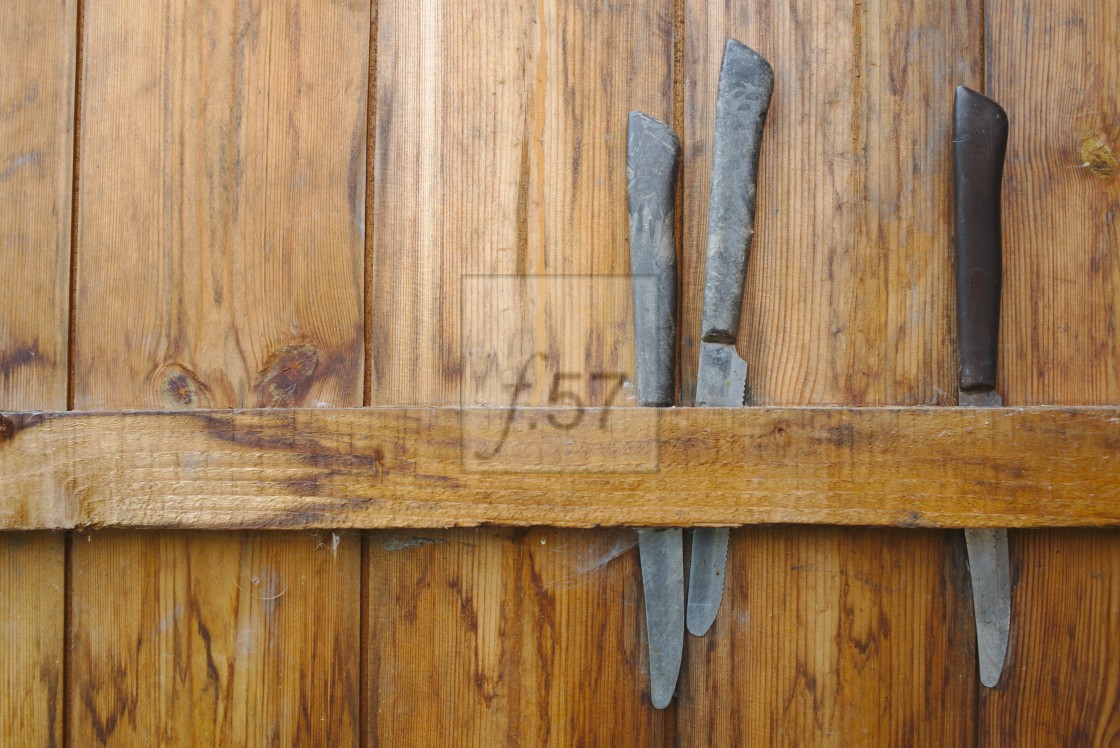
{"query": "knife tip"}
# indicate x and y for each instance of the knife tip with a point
(660, 697)
(699, 623)
(989, 678)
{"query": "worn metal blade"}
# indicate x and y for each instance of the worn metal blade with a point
(746, 83)
(721, 381)
(989, 567)
(705, 577)
(662, 555)
(652, 161)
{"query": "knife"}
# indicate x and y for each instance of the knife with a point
(979, 146)
(653, 154)
(746, 82)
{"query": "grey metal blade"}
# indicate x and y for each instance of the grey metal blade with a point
(662, 555)
(652, 159)
(989, 567)
(721, 381)
(746, 83)
(705, 577)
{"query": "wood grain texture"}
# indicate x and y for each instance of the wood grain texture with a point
(220, 246)
(36, 166)
(821, 611)
(1054, 69)
(848, 296)
(231, 639)
(404, 467)
(36, 163)
(500, 149)
(848, 300)
(527, 608)
(1060, 683)
(1056, 73)
(221, 211)
(32, 637)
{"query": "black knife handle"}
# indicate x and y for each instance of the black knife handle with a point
(979, 147)
(653, 154)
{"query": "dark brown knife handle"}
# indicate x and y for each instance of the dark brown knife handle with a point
(979, 147)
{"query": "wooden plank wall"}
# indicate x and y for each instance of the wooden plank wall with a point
(229, 235)
(36, 167)
(219, 249)
(500, 148)
(822, 636)
(1056, 70)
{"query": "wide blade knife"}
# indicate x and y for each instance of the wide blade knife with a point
(979, 146)
(652, 160)
(746, 83)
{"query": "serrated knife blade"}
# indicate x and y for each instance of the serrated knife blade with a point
(746, 83)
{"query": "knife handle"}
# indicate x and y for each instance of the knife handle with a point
(979, 147)
(746, 83)
(653, 154)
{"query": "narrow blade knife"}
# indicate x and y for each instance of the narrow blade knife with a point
(979, 145)
(746, 83)
(652, 161)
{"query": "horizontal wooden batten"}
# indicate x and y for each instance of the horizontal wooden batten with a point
(442, 467)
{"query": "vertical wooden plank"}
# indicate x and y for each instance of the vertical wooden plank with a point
(214, 639)
(841, 634)
(32, 605)
(220, 262)
(36, 159)
(1055, 70)
(500, 149)
(222, 214)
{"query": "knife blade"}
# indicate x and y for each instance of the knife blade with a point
(746, 83)
(980, 129)
(652, 161)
